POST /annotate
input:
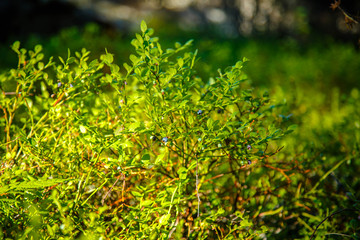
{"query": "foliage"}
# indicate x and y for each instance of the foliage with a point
(152, 152)
(92, 149)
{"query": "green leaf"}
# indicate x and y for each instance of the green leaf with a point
(82, 129)
(109, 57)
(220, 211)
(134, 59)
(114, 69)
(70, 60)
(38, 48)
(61, 60)
(146, 157)
(189, 42)
(209, 123)
(182, 173)
(292, 127)
(15, 47)
(136, 43)
(164, 219)
(181, 62)
(136, 194)
(146, 203)
(50, 230)
(127, 144)
(316, 218)
(160, 157)
(41, 65)
(40, 57)
(127, 67)
(143, 26)
(190, 119)
(139, 38)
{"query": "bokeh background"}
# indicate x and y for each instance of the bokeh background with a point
(227, 18)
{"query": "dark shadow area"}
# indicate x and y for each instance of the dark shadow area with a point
(21, 18)
(226, 18)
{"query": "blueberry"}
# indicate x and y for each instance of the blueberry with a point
(249, 162)
(248, 147)
(220, 111)
(165, 139)
(199, 112)
(59, 84)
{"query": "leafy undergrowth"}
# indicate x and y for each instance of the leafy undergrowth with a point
(149, 150)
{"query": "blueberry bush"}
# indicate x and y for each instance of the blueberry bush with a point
(146, 150)
(149, 149)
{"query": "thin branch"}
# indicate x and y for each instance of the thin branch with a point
(108, 192)
(339, 211)
(349, 20)
(197, 186)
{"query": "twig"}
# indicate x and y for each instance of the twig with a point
(197, 186)
(282, 171)
(108, 192)
(339, 211)
(10, 93)
(349, 20)
(174, 228)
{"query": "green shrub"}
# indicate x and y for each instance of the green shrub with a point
(90, 149)
(85, 155)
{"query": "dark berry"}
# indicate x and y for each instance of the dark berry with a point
(199, 112)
